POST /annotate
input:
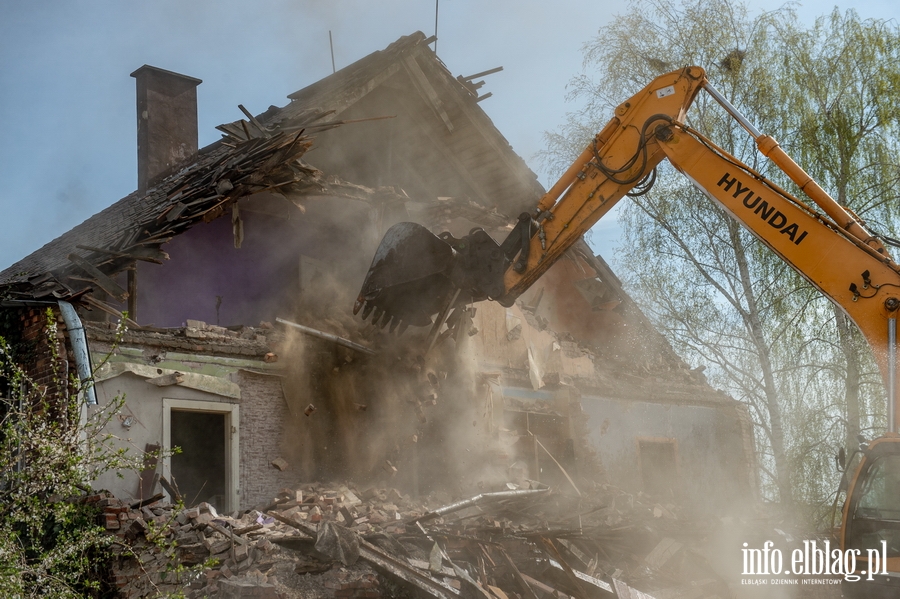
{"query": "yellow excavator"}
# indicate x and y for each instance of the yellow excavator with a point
(416, 275)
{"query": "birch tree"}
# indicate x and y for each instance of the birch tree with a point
(841, 113)
(717, 293)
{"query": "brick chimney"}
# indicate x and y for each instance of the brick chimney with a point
(167, 122)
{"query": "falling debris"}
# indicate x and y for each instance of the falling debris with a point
(309, 410)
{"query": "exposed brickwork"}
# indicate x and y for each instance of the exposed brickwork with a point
(137, 567)
(153, 540)
(249, 342)
(264, 416)
(263, 412)
(40, 365)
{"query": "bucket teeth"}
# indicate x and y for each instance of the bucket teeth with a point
(394, 324)
(358, 305)
(403, 326)
(378, 313)
(385, 320)
(367, 310)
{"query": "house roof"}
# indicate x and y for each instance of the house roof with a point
(471, 149)
(467, 155)
(445, 134)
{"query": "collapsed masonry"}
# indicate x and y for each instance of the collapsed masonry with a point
(570, 384)
(322, 542)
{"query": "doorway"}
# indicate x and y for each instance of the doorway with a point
(205, 469)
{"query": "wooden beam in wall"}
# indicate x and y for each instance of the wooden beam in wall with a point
(132, 292)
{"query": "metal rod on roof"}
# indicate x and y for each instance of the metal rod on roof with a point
(331, 45)
(436, 3)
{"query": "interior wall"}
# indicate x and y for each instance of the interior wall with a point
(199, 469)
(711, 471)
(208, 279)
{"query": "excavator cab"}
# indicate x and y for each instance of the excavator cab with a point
(872, 519)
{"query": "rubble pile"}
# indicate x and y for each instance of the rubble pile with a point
(162, 549)
(323, 541)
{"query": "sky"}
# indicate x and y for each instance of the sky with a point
(68, 141)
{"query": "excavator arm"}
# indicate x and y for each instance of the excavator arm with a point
(619, 160)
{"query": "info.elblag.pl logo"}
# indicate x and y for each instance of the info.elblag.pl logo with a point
(812, 560)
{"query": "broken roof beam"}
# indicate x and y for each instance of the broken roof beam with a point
(103, 307)
(481, 74)
(265, 132)
(385, 562)
(580, 576)
(148, 254)
(99, 277)
(518, 576)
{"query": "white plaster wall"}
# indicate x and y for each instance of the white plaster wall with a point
(143, 401)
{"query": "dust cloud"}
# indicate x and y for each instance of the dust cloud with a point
(403, 417)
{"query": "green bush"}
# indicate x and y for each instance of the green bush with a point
(51, 544)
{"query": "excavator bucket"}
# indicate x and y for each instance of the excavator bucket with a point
(409, 278)
(416, 274)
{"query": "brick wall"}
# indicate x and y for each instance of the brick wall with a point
(39, 364)
(264, 416)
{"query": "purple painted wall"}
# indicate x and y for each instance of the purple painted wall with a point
(257, 282)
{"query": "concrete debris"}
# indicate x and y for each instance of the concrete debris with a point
(325, 541)
(167, 379)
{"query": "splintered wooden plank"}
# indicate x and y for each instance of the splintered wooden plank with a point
(104, 307)
(132, 292)
(233, 130)
(147, 254)
(103, 281)
(149, 475)
(265, 132)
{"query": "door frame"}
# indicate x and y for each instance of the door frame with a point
(232, 445)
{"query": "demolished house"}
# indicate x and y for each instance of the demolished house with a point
(237, 265)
